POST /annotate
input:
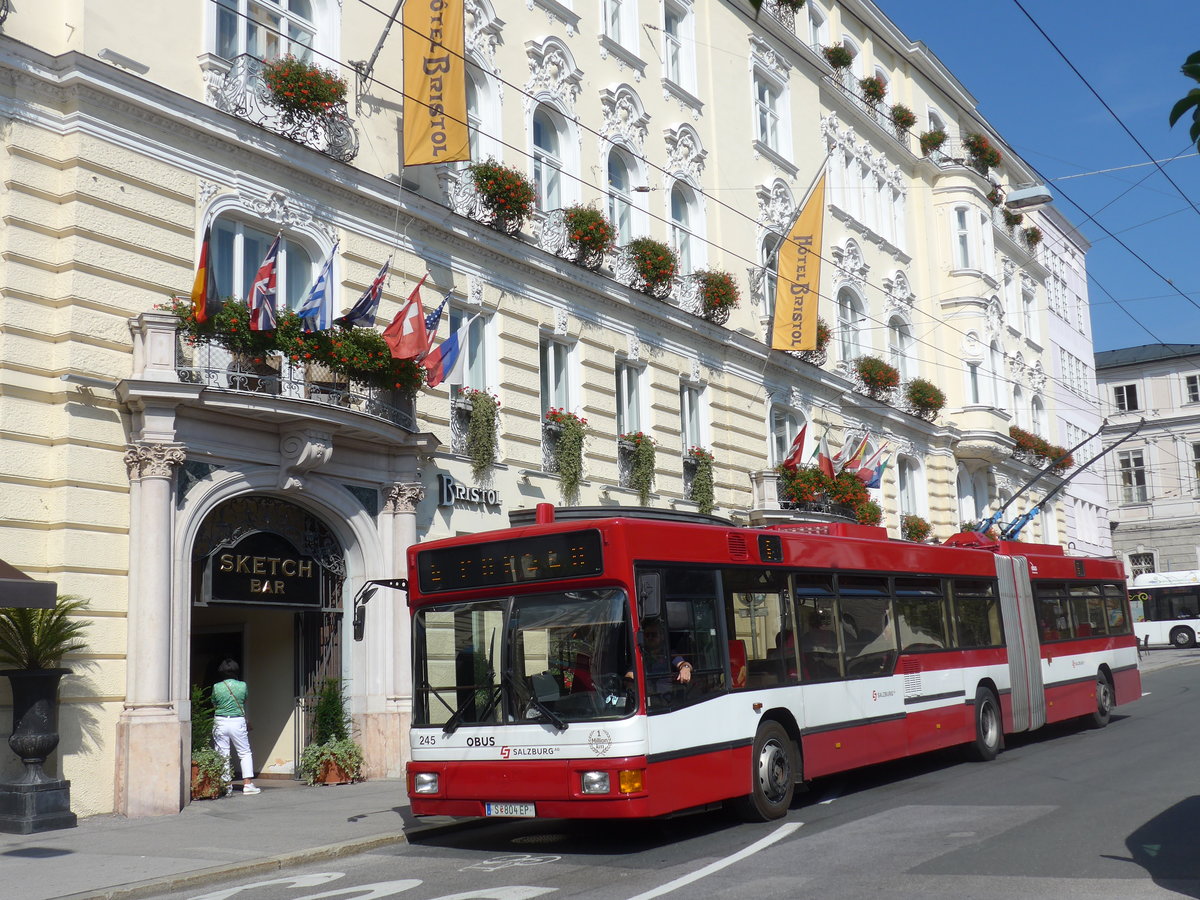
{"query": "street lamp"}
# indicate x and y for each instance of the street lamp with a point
(1027, 197)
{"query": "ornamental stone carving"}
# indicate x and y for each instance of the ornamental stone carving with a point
(475, 291)
(403, 496)
(633, 350)
(206, 190)
(1037, 377)
(685, 152)
(624, 118)
(972, 347)
(552, 73)
(482, 31)
(560, 322)
(899, 296)
(153, 460)
(763, 56)
(848, 259)
(300, 451)
(995, 317)
(291, 212)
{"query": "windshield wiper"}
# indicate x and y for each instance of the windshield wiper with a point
(453, 722)
(554, 718)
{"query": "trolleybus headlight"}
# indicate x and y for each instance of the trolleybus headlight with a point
(631, 780)
(595, 783)
(425, 783)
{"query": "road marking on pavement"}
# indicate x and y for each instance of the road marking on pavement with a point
(778, 835)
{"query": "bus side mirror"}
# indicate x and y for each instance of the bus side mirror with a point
(649, 595)
(365, 593)
(360, 622)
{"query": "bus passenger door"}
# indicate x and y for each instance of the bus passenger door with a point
(1021, 639)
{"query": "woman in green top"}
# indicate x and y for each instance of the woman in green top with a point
(229, 722)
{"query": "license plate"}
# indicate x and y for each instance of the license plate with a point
(516, 810)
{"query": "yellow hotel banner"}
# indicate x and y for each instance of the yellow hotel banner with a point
(799, 266)
(435, 83)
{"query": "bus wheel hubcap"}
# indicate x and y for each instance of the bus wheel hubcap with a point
(774, 771)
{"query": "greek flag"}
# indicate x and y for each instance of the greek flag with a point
(316, 310)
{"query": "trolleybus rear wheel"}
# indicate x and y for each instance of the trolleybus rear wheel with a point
(1183, 637)
(772, 774)
(989, 727)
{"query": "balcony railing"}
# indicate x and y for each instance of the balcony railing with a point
(243, 92)
(275, 376)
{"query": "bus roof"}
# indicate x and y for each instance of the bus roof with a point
(1153, 579)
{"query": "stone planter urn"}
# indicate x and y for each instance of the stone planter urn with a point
(35, 801)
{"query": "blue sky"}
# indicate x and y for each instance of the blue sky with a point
(1131, 54)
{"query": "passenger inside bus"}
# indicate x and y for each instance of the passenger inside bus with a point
(664, 669)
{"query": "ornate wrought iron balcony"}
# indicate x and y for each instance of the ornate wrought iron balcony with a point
(244, 93)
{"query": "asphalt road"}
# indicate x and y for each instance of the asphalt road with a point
(1067, 812)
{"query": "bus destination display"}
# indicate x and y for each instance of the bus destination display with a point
(548, 557)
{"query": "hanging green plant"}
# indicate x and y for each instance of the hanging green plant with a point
(914, 528)
(1012, 219)
(568, 448)
(481, 429)
(655, 265)
(703, 489)
(838, 56)
(925, 397)
(931, 140)
(878, 377)
(903, 117)
(641, 469)
(873, 88)
(299, 88)
(505, 192)
(590, 234)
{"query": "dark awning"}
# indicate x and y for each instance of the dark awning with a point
(19, 590)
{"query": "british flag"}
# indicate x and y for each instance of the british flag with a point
(262, 293)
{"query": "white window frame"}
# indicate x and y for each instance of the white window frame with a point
(768, 252)
(974, 383)
(1029, 314)
(785, 423)
(1191, 388)
(556, 374)
(679, 56)
(687, 233)
(552, 172)
(900, 348)
(235, 20)
(1139, 567)
(618, 23)
(1132, 476)
(1196, 466)
(962, 239)
(767, 103)
(910, 487)
(629, 396)
(693, 428)
(622, 211)
(477, 365)
(851, 311)
(1122, 394)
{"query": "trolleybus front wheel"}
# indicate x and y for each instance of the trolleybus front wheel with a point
(1104, 702)
(989, 727)
(772, 774)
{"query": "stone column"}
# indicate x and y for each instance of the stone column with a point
(150, 753)
(386, 734)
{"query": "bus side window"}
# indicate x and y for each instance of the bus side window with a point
(920, 614)
(867, 624)
(759, 625)
(975, 613)
(1114, 608)
(816, 611)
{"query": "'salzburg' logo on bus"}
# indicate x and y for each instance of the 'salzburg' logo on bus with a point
(600, 742)
(526, 752)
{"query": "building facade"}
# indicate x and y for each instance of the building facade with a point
(1153, 477)
(211, 505)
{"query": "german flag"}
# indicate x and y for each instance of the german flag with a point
(204, 289)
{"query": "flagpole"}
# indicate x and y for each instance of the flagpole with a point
(773, 259)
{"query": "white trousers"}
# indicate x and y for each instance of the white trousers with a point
(228, 729)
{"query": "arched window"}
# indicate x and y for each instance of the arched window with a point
(1018, 407)
(238, 251)
(1037, 415)
(850, 319)
(900, 348)
(265, 29)
(818, 25)
(483, 110)
(620, 198)
(683, 238)
(548, 139)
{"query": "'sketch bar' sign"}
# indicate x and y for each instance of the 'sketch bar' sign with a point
(435, 83)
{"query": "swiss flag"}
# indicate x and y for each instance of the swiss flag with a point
(406, 335)
(795, 455)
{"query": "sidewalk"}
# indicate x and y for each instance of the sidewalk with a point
(287, 824)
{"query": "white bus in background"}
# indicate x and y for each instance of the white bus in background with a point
(1166, 607)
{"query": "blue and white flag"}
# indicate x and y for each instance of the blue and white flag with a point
(362, 314)
(317, 309)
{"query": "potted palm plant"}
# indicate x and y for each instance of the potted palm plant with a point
(33, 643)
(333, 757)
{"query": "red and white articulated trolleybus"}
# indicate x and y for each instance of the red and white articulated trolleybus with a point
(630, 663)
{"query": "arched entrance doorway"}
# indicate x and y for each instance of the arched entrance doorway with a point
(267, 591)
